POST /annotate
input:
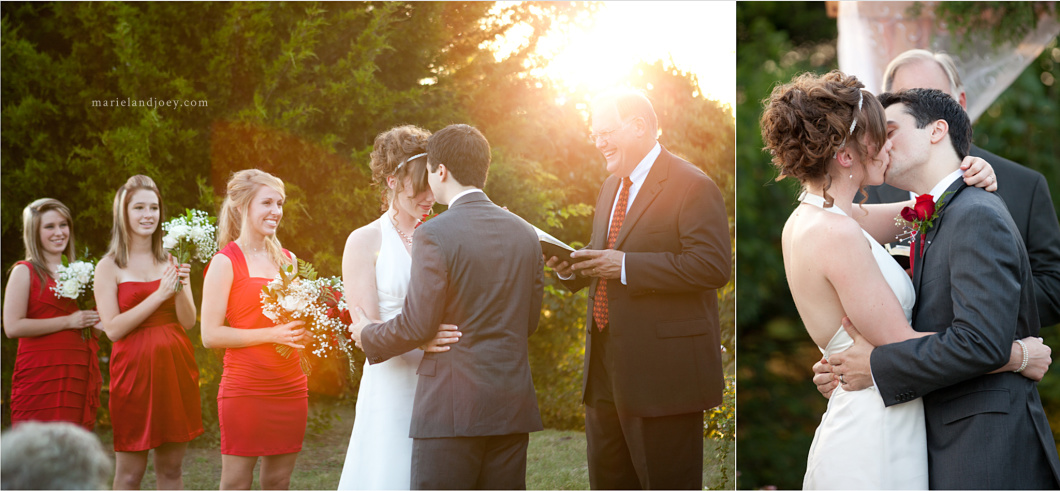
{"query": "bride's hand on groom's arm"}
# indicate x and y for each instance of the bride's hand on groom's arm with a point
(979, 173)
(1039, 357)
(447, 334)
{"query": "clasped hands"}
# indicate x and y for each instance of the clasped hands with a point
(447, 334)
(605, 263)
(851, 368)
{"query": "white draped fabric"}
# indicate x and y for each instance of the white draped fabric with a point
(872, 33)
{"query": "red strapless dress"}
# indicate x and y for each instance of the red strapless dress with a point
(154, 381)
(56, 376)
(263, 401)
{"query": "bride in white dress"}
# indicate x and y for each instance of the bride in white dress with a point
(376, 265)
(831, 135)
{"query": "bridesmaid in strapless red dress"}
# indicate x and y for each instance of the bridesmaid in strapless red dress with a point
(154, 380)
(56, 376)
(263, 399)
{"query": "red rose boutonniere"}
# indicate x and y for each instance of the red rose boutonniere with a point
(921, 216)
(426, 216)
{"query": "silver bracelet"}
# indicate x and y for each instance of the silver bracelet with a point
(1026, 357)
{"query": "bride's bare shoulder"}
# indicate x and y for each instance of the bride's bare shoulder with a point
(365, 239)
(811, 229)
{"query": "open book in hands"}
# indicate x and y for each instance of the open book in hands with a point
(551, 246)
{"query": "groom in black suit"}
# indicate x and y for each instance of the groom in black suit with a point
(479, 267)
(974, 290)
(1024, 190)
(659, 251)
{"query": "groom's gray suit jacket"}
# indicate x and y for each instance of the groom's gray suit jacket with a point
(974, 289)
(479, 267)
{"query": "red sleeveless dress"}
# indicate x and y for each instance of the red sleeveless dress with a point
(56, 376)
(154, 380)
(263, 401)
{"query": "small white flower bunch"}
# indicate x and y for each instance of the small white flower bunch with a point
(192, 232)
(319, 302)
(75, 279)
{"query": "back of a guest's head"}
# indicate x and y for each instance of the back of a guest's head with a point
(920, 59)
(929, 105)
(464, 151)
(52, 455)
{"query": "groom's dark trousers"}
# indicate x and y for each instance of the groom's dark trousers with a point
(656, 367)
(479, 267)
(974, 290)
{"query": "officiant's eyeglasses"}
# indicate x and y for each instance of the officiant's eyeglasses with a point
(606, 135)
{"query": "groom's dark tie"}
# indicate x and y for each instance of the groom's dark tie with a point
(600, 302)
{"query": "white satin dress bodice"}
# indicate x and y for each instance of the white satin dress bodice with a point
(380, 452)
(860, 443)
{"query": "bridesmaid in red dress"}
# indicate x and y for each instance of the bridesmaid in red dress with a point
(262, 403)
(56, 376)
(154, 381)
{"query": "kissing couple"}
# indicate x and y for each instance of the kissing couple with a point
(936, 386)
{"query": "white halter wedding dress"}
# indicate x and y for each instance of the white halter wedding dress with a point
(861, 444)
(380, 451)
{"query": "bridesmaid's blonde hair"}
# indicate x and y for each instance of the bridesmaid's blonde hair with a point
(31, 218)
(241, 190)
(119, 232)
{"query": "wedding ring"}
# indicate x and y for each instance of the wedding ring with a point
(841, 381)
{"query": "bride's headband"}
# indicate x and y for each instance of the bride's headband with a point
(861, 98)
(424, 154)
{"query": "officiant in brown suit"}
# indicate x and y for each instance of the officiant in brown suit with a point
(659, 251)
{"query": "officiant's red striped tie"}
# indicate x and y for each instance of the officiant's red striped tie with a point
(600, 311)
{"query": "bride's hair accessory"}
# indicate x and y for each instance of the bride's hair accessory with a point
(424, 154)
(853, 124)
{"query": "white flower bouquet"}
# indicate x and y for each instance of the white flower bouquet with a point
(188, 234)
(75, 282)
(319, 302)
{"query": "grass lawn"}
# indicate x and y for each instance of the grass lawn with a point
(555, 460)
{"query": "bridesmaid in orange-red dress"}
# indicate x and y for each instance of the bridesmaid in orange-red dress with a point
(154, 381)
(262, 403)
(56, 376)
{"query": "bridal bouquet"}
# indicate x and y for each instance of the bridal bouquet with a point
(192, 232)
(75, 283)
(319, 302)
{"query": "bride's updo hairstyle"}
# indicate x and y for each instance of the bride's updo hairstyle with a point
(241, 190)
(392, 156)
(806, 123)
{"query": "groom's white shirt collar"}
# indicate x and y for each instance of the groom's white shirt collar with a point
(464, 193)
(942, 185)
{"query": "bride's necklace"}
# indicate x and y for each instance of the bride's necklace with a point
(406, 238)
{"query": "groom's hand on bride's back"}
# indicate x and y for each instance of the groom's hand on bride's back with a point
(823, 377)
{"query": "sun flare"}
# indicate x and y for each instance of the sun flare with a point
(695, 37)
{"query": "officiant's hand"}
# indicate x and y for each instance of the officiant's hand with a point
(606, 263)
(851, 366)
(560, 266)
(447, 334)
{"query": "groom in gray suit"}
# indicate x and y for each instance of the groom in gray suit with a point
(975, 291)
(479, 267)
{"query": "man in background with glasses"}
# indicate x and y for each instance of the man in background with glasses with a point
(659, 250)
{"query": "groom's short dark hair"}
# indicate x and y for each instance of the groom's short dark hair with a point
(463, 150)
(929, 105)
